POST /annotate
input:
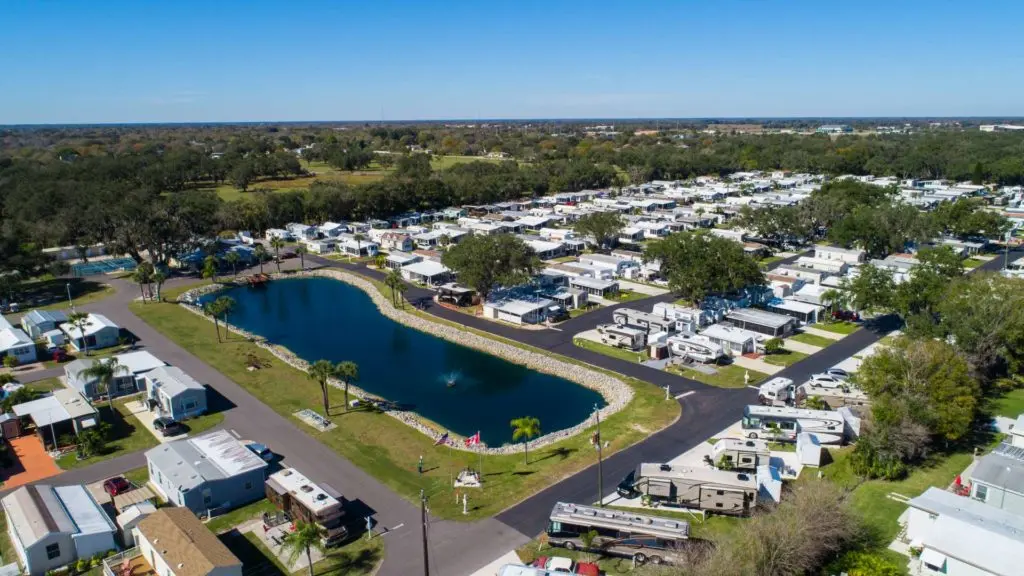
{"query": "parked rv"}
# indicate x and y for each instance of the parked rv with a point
(688, 487)
(782, 423)
(777, 392)
(694, 347)
(834, 397)
(643, 538)
(622, 336)
(740, 454)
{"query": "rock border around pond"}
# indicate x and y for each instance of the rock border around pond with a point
(617, 394)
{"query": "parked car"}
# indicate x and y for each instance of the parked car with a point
(824, 380)
(562, 565)
(167, 427)
(116, 485)
(58, 354)
(848, 315)
(838, 373)
(261, 450)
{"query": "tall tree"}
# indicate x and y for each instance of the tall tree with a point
(871, 290)
(698, 264)
(80, 320)
(143, 276)
(105, 371)
(212, 309)
(306, 537)
(301, 251)
(276, 243)
(158, 279)
(348, 372)
(322, 371)
(602, 227)
(233, 258)
(525, 428)
(261, 255)
(225, 305)
(210, 268)
(487, 262)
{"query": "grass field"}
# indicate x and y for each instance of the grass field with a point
(813, 340)
(129, 435)
(628, 296)
(784, 357)
(766, 262)
(226, 522)
(46, 385)
(613, 351)
(972, 263)
(730, 376)
(841, 327)
(52, 294)
(388, 449)
(1010, 404)
(7, 553)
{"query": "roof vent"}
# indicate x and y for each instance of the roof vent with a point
(180, 565)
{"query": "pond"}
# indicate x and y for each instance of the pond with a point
(462, 389)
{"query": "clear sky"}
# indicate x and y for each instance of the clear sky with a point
(225, 60)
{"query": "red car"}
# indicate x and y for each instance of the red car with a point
(848, 315)
(117, 485)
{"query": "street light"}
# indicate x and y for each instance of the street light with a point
(70, 303)
(600, 476)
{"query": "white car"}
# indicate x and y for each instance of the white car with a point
(824, 380)
(838, 373)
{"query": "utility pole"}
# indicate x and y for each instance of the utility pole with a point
(423, 526)
(600, 476)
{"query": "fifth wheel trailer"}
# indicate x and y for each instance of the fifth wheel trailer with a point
(717, 491)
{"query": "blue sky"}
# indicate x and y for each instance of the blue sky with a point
(182, 61)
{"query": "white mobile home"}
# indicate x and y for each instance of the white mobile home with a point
(595, 287)
(97, 332)
(998, 479)
(734, 341)
(518, 311)
(426, 272)
(848, 255)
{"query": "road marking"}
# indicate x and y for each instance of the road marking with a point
(753, 387)
(235, 434)
(685, 394)
(387, 530)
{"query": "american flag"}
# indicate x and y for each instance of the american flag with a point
(442, 440)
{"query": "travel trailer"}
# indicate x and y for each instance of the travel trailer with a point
(740, 454)
(696, 488)
(834, 397)
(643, 538)
(622, 336)
(695, 347)
(782, 423)
(777, 392)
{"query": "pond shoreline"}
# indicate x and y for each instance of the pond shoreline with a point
(616, 393)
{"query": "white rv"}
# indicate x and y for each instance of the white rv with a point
(622, 336)
(777, 392)
(740, 454)
(834, 397)
(688, 487)
(698, 348)
(782, 423)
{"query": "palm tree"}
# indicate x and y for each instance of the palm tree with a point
(526, 428)
(307, 536)
(158, 278)
(322, 371)
(225, 305)
(444, 240)
(143, 275)
(402, 288)
(80, 320)
(277, 244)
(381, 261)
(212, 309)
(233, 258)
(302, 250)
(359, 237)
(834, 299)
(347, 372)
(392, 280)
(104, 372)
(210, 268)
(261, 255)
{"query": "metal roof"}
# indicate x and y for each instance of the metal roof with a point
(172, 380)
(190, 462)
(87, 515)
(1003, 468)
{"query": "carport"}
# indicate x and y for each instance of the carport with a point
(65, 412)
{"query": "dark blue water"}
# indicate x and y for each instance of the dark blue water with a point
(322, 318)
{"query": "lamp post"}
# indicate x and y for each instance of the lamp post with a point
(600, 476)
(70, 302)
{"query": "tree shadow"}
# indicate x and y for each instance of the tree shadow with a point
(345, 562)
(254, 561)
(561, 453)
(523, 472)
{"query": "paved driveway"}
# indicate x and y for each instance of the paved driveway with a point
(31, 463)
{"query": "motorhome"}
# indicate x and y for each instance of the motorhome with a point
(834, 397)
(777, 392)
(782, 423)
(643, 538)
(740, 454)
(622, 336)
(695, 347)
(717, 491)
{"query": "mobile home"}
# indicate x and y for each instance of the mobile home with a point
(622, 336)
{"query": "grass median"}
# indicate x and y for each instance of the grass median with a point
(784, 357)
(388, 449)
(840, 327)
(812, 340)
(730, 376)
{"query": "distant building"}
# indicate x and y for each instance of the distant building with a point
(834, 129)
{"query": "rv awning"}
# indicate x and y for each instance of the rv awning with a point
(933, 558)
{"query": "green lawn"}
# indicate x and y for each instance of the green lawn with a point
(388, 449)
(226, 522)
(129, 435)
(766, 262)
(445, 162)
(813, 339)
(138, 475)
(613, 351)
(784, 357)
(203, 423)
(841, 327)
(46, 385)
(730, 376)
(1010, 404)
(7, 552)
(972, 263)
(628, 296)
(356, 558)
(52, 294)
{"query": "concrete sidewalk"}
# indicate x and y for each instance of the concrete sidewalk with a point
(795, 346)
(823, 333)
(756, 364)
